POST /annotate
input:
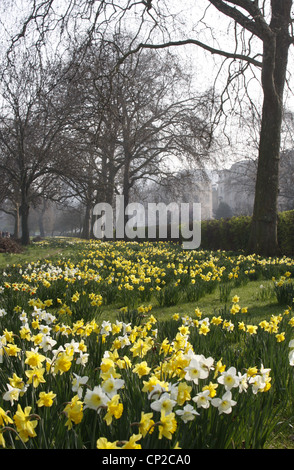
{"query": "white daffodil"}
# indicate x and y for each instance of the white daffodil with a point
(105, 328)
(225, 403)
(47, 343)
(83, 358)
(202, 399)
(291, 357)
(2, 312)
(264, 372)
(95, 398)
(187, 413)
(124, 340)
(258, 382)
(112, 385)
(229, 378)
(77, 384)
(163, 403)
(12, 394)
(243, 382)
(194, 371)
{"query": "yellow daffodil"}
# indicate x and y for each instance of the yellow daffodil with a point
(24, 423)
(167, 425)
(46, 399)
(73, 412)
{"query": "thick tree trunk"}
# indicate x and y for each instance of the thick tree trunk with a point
(263, 238)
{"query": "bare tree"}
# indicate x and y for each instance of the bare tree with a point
(262, 32)
(30, 121)
(269, 22)
(128, 122)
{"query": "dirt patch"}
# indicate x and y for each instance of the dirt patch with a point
(8, 245)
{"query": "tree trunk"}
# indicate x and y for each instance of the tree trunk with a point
(25, 232)
(126, 189)
(41, 219)
(87, 222)
(263, 237)
(16, 222)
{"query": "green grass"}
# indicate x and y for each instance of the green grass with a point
(36, 251)
(250, 296)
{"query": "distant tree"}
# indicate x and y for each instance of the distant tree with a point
(31, 121)
(223, 211)
(128, 122)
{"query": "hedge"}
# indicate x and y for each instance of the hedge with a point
(233, 234)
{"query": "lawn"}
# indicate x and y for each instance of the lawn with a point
(127, 345)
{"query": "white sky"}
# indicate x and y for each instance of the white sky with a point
(214, 29)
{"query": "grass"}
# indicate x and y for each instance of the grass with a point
(34, 252)
(258, 308)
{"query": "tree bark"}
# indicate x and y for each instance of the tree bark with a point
(41, 219)
(25, 232)
(126, 187)
(87, 222)
(263, 237)
(16, 222)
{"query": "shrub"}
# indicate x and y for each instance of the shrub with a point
(286, 232)
(233, 234)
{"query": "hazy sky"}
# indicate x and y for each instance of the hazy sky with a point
(191, 20)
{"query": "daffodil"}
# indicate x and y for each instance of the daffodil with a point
(111, 385)
(114, 409)
(12, 349)
(183, 393)
(167, 425)
(4, 418)
(63, 362)
(146, 424)
(95, 398)
(73, 412)
(12, 394)
(46, 399)
(35, 376)
(132, 442)
(225, 403)
(77, 384)
(258, 383)
(188, 413)
(252, 329)
(229, 378)
(202, 399)
(24, 423)
(34, 358)
(163, 403)
(141, 369)
(194, 371)
(280, 337)
(16, 382)
(103, 443)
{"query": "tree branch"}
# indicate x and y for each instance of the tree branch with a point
(256, 25)
(212, 50)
